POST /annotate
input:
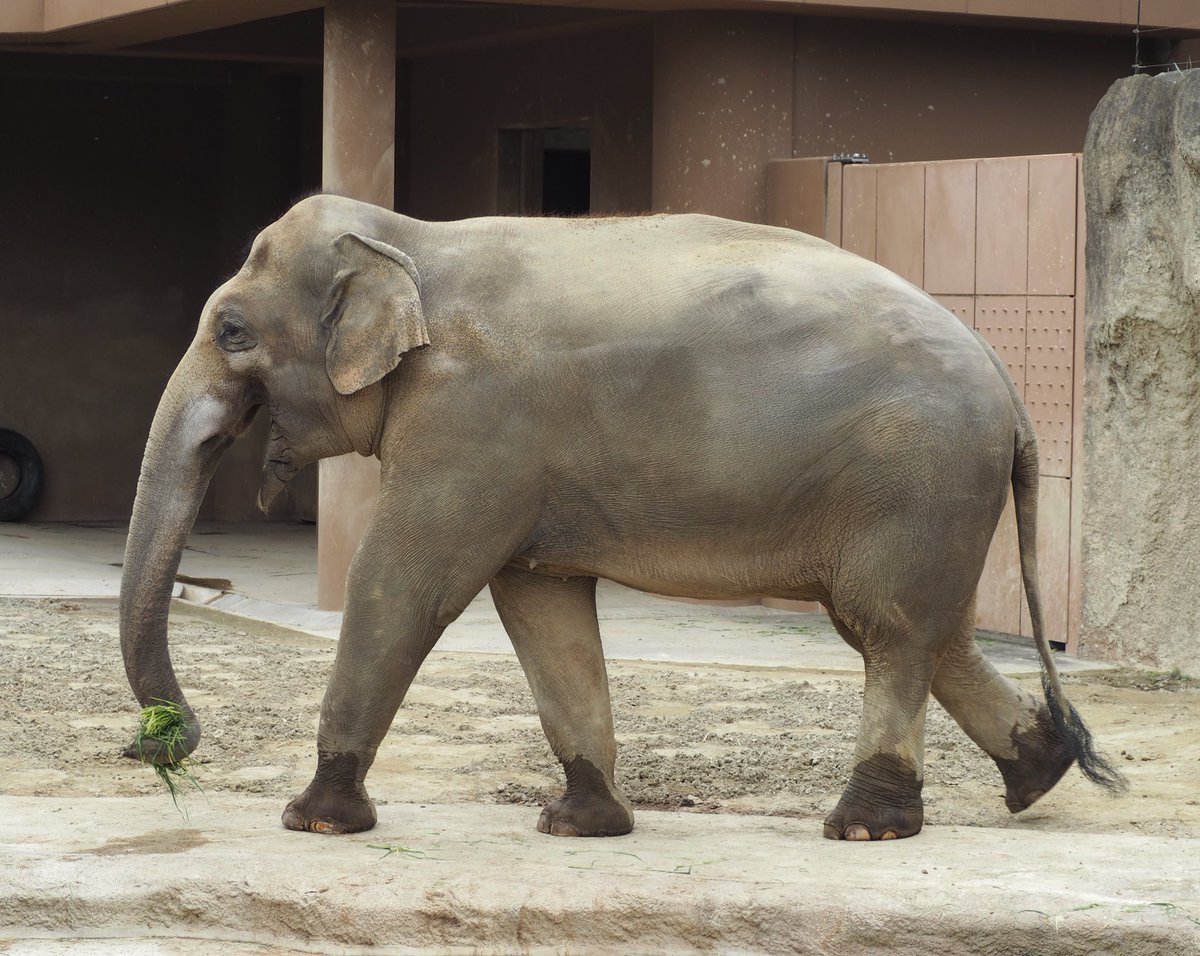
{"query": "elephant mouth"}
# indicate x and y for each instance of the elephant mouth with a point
(280, 467)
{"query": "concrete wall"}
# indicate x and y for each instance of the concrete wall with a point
(722, 110)
(905, 92)
(601, 79)
(129, 192)
(1141, 519)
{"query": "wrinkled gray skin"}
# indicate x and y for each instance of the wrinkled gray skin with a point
(686, 405)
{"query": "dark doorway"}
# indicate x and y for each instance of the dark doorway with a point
(544, 171)
(566, 172)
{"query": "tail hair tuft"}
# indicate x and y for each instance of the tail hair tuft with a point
(1098, 769)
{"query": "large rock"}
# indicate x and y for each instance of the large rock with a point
(1141, 515)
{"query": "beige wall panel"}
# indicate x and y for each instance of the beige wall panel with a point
(833, 207)
(950, 228)
(1052, 224)
(858, 210)
(1002, 226)
(998, 605)
(796, 194)
(900, 220)
(1054, 558)
(961, 305)
(1001, 320)
(1050, 380)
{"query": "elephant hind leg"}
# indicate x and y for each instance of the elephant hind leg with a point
(1012, 726)
(553, 627)
(882, 799)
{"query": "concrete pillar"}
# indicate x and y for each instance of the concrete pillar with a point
(722, 110)
(357, 160)
(1141, 510)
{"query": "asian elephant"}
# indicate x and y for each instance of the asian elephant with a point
(682, 404)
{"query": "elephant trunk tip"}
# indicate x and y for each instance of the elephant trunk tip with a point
(167, 734)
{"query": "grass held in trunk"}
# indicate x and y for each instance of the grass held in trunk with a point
(165, 724)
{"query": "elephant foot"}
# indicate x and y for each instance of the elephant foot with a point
(335, 802)
(1043, 756)
(882, 801)
(591, 807)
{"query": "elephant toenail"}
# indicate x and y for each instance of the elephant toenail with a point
(890, 835)
(856, 831)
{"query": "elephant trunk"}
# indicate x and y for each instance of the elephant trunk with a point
(193, 425)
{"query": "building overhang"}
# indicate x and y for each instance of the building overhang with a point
(110, 25)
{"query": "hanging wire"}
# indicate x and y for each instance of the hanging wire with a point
(1137, 41)
(1173, 26)
(1138, 32)
(1170, 65)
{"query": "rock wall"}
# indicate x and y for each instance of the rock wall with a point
(1141, 514)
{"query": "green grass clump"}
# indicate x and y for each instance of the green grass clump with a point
(165, 724)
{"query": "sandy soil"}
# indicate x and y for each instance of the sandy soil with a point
(701, 739)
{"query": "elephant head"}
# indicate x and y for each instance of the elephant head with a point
(310, 326)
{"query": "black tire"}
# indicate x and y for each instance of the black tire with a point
(24, 497)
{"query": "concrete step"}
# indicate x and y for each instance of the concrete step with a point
(131, 875)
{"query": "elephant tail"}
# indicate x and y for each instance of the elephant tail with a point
(1065, 717)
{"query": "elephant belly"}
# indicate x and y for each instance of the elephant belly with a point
(706, 576)
(722, 516)
(684, 554)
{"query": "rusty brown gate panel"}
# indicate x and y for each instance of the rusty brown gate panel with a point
(999, 243)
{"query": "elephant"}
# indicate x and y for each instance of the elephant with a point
(685, 405)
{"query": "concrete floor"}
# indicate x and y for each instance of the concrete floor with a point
(109, 876)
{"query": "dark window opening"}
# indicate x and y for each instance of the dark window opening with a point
(544, 172)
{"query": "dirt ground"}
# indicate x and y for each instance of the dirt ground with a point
(697, 738)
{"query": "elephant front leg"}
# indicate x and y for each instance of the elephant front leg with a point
(336, 801)
(396, 610)
(554, 630)
(379, 651)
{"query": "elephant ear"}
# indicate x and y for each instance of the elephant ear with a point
(376, 316)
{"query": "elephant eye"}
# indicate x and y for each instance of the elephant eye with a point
(233, 335)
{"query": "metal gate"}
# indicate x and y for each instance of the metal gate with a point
(999, 242)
